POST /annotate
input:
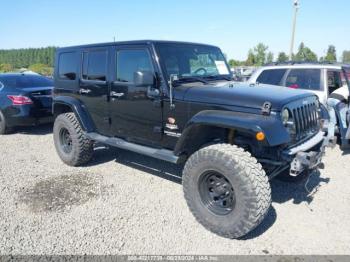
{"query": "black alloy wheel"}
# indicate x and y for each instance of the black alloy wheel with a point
(216, 193)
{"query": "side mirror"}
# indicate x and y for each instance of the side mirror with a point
(144, 78)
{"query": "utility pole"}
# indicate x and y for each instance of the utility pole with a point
(296, 7)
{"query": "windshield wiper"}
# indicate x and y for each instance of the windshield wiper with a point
(189, 79)
(219, 77)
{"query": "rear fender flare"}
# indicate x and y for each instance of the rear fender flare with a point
(77, 108)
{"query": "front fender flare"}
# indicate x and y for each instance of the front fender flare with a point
(275, 132)
(77, 108)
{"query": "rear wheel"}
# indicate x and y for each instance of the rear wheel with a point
(4, 129)
(71, 144)
(226, 189)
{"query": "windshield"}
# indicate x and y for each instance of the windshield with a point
(25, 81)
(190, 60)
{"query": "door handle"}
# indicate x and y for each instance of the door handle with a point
(116, 94)
(84, 91)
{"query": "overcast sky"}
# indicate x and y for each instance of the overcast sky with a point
(234, 25)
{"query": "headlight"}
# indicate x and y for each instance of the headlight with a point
(288, 121)
(285, 116)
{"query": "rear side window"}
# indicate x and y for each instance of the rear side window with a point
(271, 76)
(67, 66)
(309, 79)
(95, 65)
(334, 80)
(131, 61)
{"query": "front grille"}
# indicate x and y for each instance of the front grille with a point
(306, 120)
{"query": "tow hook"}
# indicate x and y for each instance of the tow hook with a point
(303, 161)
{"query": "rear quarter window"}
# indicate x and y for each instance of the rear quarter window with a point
(271, 76)
(68, 66)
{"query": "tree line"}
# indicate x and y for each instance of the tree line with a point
(260, 55)
(40, 60)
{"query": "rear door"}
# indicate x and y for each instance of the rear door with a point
(93, 86)
(136, 113)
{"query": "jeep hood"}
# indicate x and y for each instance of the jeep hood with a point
(244, 95)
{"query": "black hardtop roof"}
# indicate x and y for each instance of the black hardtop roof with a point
(133, 42)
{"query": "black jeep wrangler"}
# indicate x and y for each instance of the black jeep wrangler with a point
(177, 102)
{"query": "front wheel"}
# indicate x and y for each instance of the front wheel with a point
(226, 189)
(71, 144)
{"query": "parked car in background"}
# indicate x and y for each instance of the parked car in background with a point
(25, 100)
(243, 73)
(321, 79)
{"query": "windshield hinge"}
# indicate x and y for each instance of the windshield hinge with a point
(266, 108)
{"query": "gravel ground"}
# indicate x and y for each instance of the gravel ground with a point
(125, 203)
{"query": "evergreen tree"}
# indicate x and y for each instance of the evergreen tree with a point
(251, 58)
(305, 54)
(19, 58)
(331, 54)
(269, 57)
(282, 57)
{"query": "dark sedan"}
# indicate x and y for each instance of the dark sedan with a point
(25, 100)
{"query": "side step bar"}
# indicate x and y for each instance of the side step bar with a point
(161, 154)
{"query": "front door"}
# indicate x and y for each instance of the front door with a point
(93, 87)
(135, 111)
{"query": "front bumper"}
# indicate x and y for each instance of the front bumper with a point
(308, 155)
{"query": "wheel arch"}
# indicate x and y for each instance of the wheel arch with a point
(206, 123)
(62, 104)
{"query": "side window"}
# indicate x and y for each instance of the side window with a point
(67, 66)
(309, 79)
(271, 76)
(131, 61)
(334, 80)
(95, 65)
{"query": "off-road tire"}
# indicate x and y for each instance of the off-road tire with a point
(249, 182)
(4, 129)
(81, 147)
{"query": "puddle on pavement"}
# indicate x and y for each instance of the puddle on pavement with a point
(60, 193)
